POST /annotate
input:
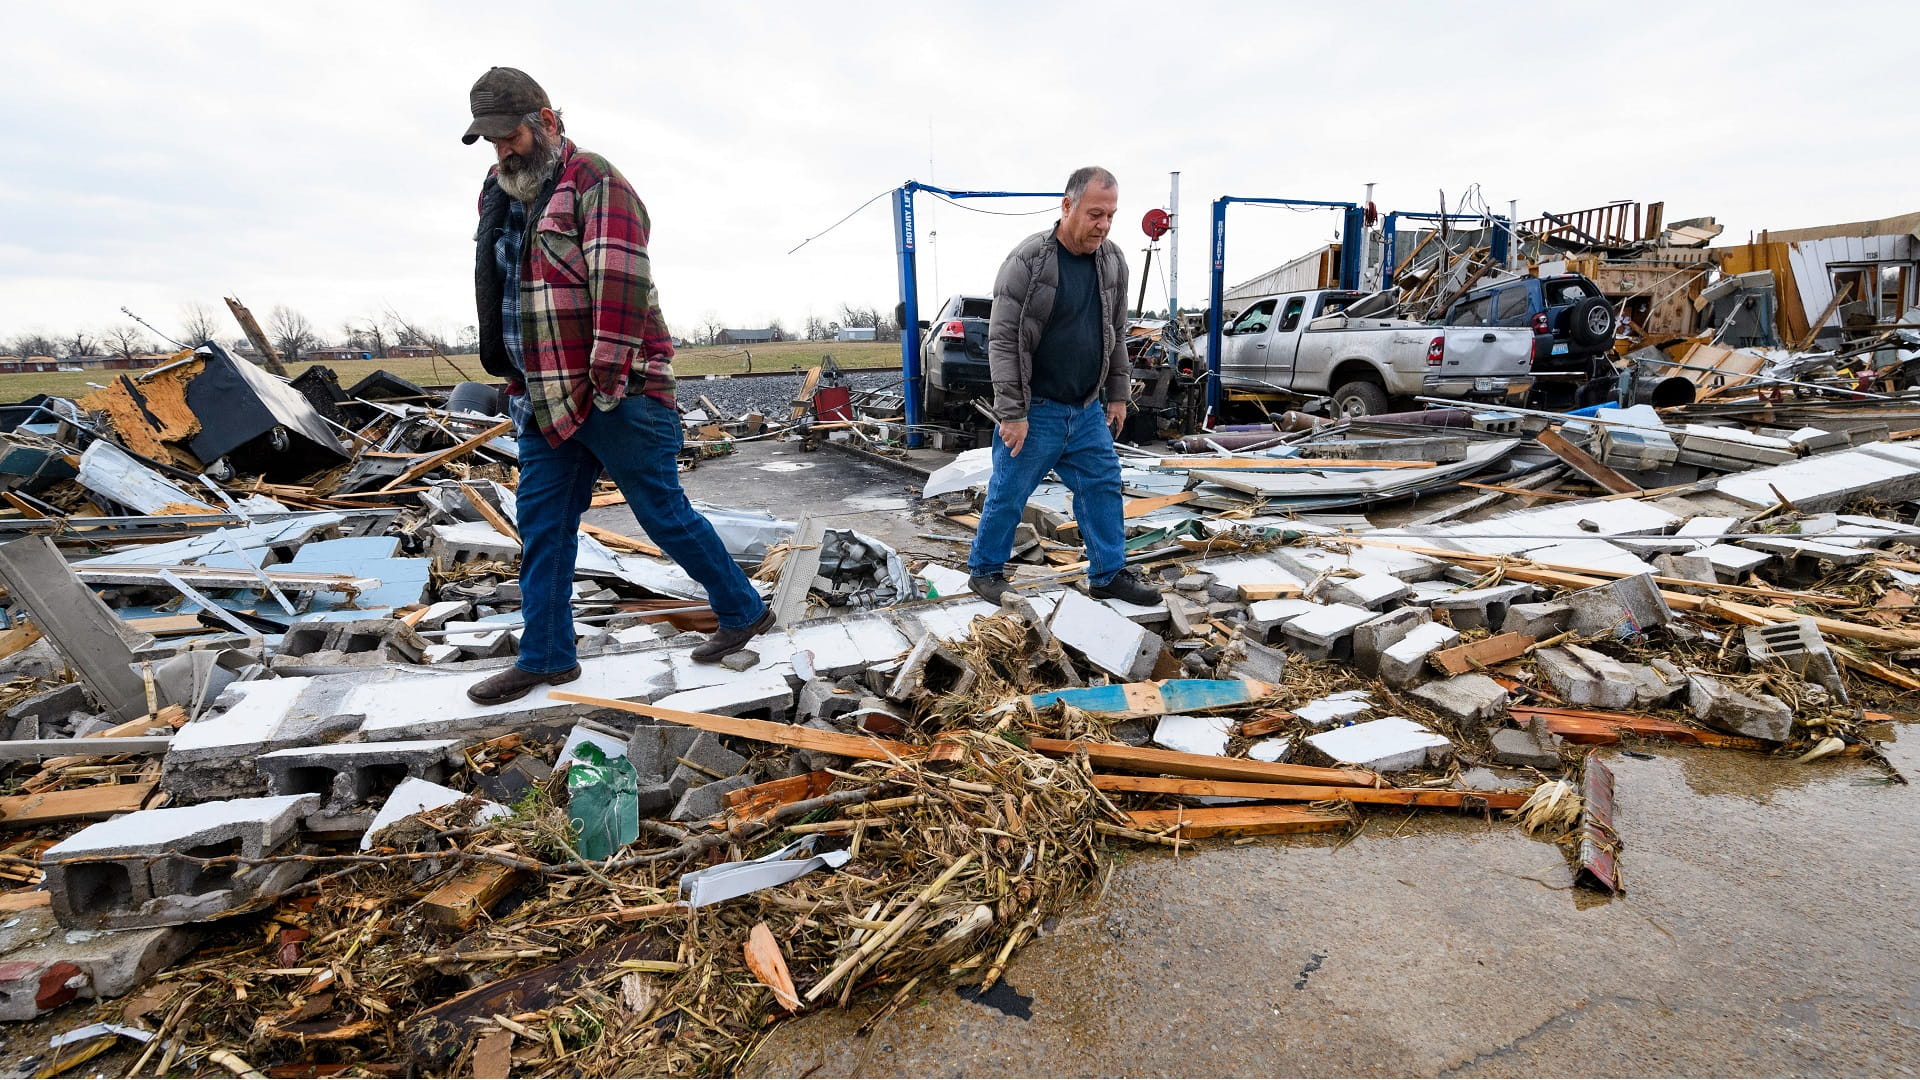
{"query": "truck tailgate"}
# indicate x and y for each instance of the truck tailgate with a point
(1474, 352)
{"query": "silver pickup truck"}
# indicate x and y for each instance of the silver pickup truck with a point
(1305, 343)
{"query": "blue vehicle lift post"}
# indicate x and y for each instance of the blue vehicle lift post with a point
(1390, 233)
(1352, 235)
(904, 244)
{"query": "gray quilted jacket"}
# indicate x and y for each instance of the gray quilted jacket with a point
(1023, 299)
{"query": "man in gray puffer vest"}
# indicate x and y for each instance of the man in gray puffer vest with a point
(1057, 340)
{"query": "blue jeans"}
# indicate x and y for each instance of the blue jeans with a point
(637, 443)
(1076, 443)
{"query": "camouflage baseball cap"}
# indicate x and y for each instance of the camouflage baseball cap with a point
(500, 100)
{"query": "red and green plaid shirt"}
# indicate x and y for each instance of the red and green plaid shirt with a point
(589, 313)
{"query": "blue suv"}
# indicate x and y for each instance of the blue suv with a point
(1569, 309)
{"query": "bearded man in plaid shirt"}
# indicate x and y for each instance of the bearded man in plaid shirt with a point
(570, 318)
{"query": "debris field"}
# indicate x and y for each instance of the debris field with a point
(255, 826)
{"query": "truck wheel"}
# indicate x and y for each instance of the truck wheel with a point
(1590, 322)
(1359, 399)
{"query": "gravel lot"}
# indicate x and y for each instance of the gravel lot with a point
(768, 395)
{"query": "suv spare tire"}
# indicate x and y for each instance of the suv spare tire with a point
(1590, 322)
(1359, 398)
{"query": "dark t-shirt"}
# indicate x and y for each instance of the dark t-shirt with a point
(1068, 361)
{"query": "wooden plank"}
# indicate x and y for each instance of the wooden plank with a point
(24, 900)
(1287, 590)
(478, 886)
(1506, 489)
(77, 804)
(168, 625)
(1441, 797)
(619, 541)
(1238, 821)
(1593, 727)
(1146, 759)
(433, 461)
(35, 749)
(804, 400)
(1265, 725)
(1473, 656)
(1585, 464)
(1144, 505)
(22, 635)
(865, 748)
(491, 514)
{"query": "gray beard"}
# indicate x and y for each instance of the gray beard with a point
(524, 177)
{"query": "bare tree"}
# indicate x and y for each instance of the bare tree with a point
(469, 340)
(710, 326)
(817, 328)
(198, 324)
(34, 343)
(126, 341)
(368, 335)
(290, 332)
(79, 343)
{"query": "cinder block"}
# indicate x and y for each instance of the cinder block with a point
(712, 757)
(1799, 645)
(1404, 663)
(1389, 744)
(1109, 641)
(1378, 634)
(465, 542)
(707, 800)
(1538, 621)
(1622, 608)
(348, 776)
(1759, 716)
(1587, 678)
(1464, 697)
(50, 968)
(1248, 659)
(1656, 684)
(1266, 618)
(931, 669)
(143, 879)
(1326, 632)
(652, 749)
(761, 695)
(1373, 590)
(1531, 748)
(1487, 607)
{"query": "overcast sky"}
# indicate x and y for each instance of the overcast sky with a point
(309, 155)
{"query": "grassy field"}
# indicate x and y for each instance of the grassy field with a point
(699, 360)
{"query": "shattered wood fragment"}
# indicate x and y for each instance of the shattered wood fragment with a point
(1266, 725)
(477, 887)
(1190, 823)
(1483, 653)
(439, 1033)
(1440, 797)
(769, 965)
(22, 635)
(753, 803)
(425, 465)
(1146, 759)
(618, 541)
(493, 1054)
(790, 735)
(1586, 465)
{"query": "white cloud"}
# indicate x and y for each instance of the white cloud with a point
(309, 155)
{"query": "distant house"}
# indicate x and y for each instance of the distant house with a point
(857, 333)
(15, 364)
(321, 355)
(398, 352)
(746, 337)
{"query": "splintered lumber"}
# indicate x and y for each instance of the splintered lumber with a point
(1146, 759)
(1483, 653)
(863, 747)
(23, 635)
(1195, 822)
(750, 803)
(477, 887)
(432, 461)
(1586, 465)
(1456, 800)
(74, 804)
(769, 965)
(1147, 504)
(1266, 724)
(1595, 728)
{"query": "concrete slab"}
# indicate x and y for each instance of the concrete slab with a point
(1339, 708)
(1465, 697)
(1194, 734)
(438, 704)
(1108, 641)
(1390, 744)
(763, 695)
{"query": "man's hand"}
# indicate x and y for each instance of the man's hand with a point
(1014, 434)
(1116, 415)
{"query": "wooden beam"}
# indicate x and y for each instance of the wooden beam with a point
(22, 635)
(1134, 508)
(1238, 821)
(477, 887)
(1441, 797)
(620, 541)
(866, 748)
(433, 461)
(491, 513)
(1287, 590)
(1592, 727)
(1146, 759)
(74, 804)
(1585, 464)
(1483, 653)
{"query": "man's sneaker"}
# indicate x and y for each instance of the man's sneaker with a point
(1126, 585)
(513, 684)
(724, 642)
(989, 587)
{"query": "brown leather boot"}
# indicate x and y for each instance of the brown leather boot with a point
(514, 683)
(727, 642)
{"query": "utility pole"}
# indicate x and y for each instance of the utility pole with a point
(1173, 252)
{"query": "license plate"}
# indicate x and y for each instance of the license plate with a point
(1559, 350)
(1489, 386)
